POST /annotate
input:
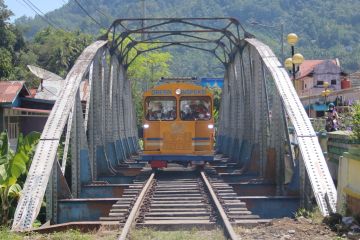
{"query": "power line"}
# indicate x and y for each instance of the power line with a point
(44, 18)
(86, 12)
(35, 7)
(43, 14)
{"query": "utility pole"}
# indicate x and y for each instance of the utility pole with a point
(279, 27)
(143, 7)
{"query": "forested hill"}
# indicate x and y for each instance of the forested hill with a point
(327, 29)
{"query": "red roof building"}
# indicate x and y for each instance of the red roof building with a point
(10, 90)
(19, 112)
(314, 73)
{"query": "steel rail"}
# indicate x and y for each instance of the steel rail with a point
(227, 225)
(135, 209)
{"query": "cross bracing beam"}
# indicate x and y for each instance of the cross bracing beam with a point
(225, 33)
(258, 102)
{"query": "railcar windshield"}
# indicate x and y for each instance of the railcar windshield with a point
(195, 108)
(160, 108)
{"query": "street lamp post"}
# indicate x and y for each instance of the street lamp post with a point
(292, 63)
(326, 91)
(279, 27)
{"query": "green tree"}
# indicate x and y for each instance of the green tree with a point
(5, 13)
(57, 50)
(11, 44)
(5, 63)
(145, 71)
(12, 166)
(216, 91)
(356, 120)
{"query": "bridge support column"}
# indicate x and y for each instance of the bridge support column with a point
(57, 188)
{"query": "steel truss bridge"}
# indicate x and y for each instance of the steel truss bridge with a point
(259, 105)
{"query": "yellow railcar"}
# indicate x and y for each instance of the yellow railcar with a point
(178, 124)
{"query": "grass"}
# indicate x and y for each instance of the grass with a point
(6, 234)
(315, 215)
(194, 234)
(138, 234)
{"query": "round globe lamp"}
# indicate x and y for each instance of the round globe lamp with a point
(298, 59)
(292, 39)
(288, 63)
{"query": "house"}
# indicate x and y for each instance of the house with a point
(314, 73)
(19, 113)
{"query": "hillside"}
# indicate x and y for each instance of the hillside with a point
(327, 29)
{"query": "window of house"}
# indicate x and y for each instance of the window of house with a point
(320, 83)
(12, 125)
(333, 82)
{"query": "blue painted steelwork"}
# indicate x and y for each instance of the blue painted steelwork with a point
(126, 147)
(131, 145)
(294, 184)
(85, 170)
(119, 151)
(101, 162)
(235, 177)
(136, 143)
(207, 158)
(103, 191)
(73, 210)
(117, 179)
(111, 154)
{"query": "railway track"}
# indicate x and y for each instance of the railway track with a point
(181, 200)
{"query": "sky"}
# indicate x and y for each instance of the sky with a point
(19, 7)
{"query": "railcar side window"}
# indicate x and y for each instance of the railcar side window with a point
(195, 108)
(160, 108)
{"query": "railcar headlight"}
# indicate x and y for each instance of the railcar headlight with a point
(146, 126)
(210, 126)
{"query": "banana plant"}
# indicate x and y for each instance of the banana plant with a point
(12, 166)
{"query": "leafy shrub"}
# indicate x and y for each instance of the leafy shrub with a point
(356, 120)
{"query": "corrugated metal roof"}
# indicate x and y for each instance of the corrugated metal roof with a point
(49, 90)
(10, 89)
(52, 84)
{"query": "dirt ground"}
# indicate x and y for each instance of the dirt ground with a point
(286, 228)
(283, 229)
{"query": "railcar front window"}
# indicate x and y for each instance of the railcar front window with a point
(160, 108)
(195, 108)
